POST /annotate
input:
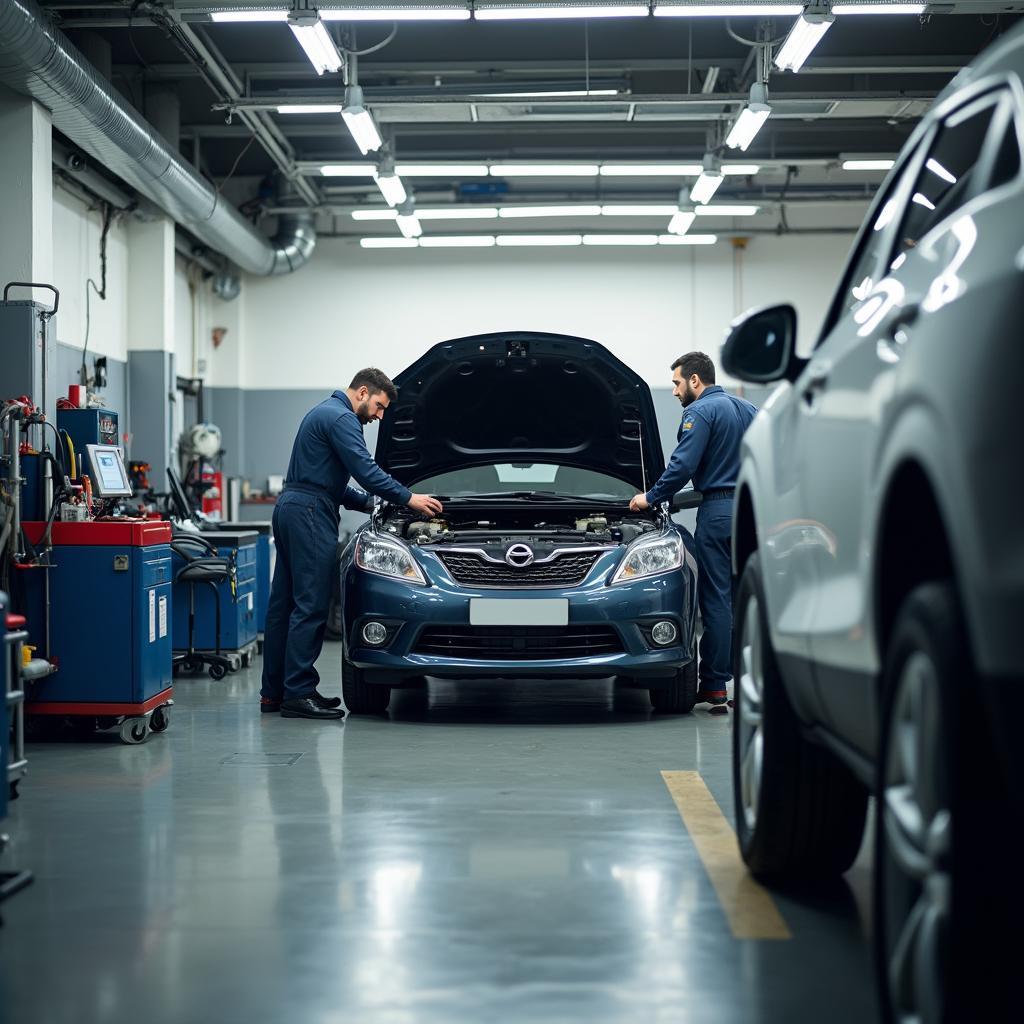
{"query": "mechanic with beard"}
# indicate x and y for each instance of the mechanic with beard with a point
(329, 449)
(708, 453)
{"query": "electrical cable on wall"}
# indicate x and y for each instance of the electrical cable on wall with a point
(101, 290)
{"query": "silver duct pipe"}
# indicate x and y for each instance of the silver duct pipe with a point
(39, 61)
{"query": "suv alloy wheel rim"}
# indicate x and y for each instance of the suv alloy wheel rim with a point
(750, 718)
(918, 841)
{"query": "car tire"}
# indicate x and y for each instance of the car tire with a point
(945, 879)
(680, 695)
(360, 696)
(799, 811)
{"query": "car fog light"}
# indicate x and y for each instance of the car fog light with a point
(375, 633)
(663, 633)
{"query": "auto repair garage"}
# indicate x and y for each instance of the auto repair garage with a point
(508, 510)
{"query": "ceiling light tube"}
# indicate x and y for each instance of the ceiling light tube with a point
(347, 170)
(541, 240)
(751, 119)
(681, 222)
(650, 170)
(687, 239)
(243, 16)
(309, 108)
(722, 210)
(549, 94)
(807, 31)
(869, 164)
(544, 170)
(442, 170)
(637, 211)
(391, 188)
(710, 178)
(550, 211)
(408, 222)
(360, 122)
(551, 12)
(457, 241)
(314, 38)
(882, 8)
(374, 214)
(726, 10)
(396, 14)
(747, 170)
(620, 239)
(464, 213)
(388, 243)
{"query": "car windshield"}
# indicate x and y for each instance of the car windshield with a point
(521, 478)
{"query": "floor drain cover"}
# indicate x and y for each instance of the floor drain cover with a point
(262, 760)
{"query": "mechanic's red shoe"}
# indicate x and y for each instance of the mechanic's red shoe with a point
(717, 698)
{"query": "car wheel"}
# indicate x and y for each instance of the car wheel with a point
(799, 810)
(680, 695)
(362, 697)
(939, 848)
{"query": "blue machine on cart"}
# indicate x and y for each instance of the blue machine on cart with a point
(89, 426)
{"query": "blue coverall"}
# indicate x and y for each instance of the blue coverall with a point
(329, 449)
(708, 453)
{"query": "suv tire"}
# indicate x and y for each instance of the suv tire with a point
(799, 810)
(362, 697)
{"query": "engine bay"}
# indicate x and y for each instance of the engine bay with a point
(486, 527)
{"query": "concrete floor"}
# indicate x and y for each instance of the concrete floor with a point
(493, 852)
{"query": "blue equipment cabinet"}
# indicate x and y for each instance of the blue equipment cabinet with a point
(264, 564)
(89, 426)
(110, 619)
(238, 609)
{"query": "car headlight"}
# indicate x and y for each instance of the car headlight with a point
(650, 556)
(388, 557)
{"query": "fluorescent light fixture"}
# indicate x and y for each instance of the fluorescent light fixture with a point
(314, 38)
(741, 169)
(396, 14)
(939, 171)
(374, 214)
(463, 213)
(637, 211)
(442, 170)
(710, 178)
(723, 210)
(457, 241)
(360, 122)
(544, 170)
(550, 211)
(542, 240)
(868, 165)
(552, 94)
(687, 239)
(883, 8)
(807, 31)
(681, 222)
(751, 119)
(547, 12)
(650, 170)
(726, 10)
(310, 108)
(409, 224)
(620, 239)
(229, 16)
(391, 188)
(388, 243)
(347, 170)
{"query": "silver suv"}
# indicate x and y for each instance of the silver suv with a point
(879, 546)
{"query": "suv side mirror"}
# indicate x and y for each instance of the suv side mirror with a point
(688, 498)
(761, 346)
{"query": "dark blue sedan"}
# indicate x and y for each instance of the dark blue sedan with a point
(535, 443)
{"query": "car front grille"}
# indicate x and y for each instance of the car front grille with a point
(566, 570)
(518, 643)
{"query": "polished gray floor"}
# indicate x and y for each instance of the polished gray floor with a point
(490, 852)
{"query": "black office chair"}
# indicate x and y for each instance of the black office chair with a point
(213, 570)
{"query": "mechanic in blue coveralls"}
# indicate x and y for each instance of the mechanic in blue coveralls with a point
(709, 454)
(329, 449)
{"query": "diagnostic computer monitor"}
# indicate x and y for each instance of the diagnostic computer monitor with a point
(178, 497)
(109, 476)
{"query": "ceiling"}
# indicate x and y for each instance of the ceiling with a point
(661, 89)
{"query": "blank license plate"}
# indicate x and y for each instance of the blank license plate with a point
(541, 611)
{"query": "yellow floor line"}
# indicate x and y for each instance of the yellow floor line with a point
(749, 907)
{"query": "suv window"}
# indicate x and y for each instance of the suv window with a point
(947, 177)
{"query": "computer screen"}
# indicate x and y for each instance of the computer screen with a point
(179, 497)
(109, 476)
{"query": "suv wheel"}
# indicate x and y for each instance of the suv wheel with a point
(362, 697)
(799, 811)
(680, 695)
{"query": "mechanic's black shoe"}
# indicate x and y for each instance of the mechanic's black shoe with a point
(268, 706)
(326, 702)
(306, 707)
(714, 697)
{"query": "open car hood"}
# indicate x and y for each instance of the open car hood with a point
(520, 396)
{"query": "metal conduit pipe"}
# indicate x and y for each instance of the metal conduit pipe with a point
(39, 61)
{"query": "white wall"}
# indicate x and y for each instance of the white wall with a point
(353, 307)
(76, 257)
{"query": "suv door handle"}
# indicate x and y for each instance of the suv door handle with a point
(817, 378)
